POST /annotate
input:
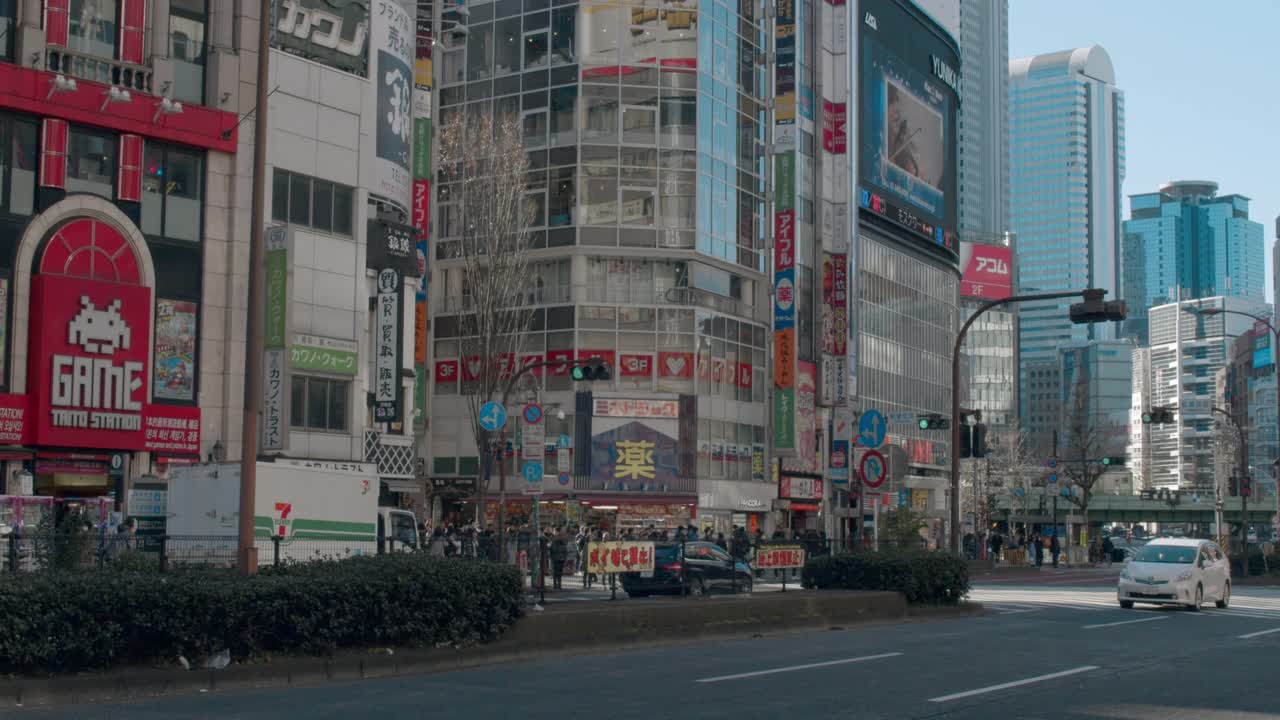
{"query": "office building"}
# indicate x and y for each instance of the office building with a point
(1097, 392)
(1249, 393)
(984, 119)
(124, 223)
(1066, 160)
(1186, 235)
(1139, 450)
(1187, 350)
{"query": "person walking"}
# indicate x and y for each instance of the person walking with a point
(1037, 546)
(997, 541)
(1054, 548)
(1108, 548)
(559, 553)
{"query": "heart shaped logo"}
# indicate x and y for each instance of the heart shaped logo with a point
(675, 365)
(473, 366)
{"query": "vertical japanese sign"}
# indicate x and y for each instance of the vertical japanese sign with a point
(784, 307)
(785, 70)
(275, 337)
(387, 404)
(425, 34)
(421, 207)
(4, 325)
(392, 55)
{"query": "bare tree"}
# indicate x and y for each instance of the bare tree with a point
(1016, 468)
(484, 165)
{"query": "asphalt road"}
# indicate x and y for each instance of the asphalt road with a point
(1042, 651)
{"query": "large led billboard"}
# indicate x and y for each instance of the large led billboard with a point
(908, 76)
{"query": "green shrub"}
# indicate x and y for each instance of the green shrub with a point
(923, 577)
(90, 620)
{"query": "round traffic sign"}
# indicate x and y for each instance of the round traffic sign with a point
(533, 413)
(873, 469)
(838, 458)
(492, 416)
(563, 478)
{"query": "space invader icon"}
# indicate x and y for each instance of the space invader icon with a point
(98, 331)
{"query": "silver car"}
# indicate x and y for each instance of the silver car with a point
(1171, 571)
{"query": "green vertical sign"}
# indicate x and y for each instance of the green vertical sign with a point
(419, 396)
(422, 148)
(276, 286)
(784, 421)
(785, 184)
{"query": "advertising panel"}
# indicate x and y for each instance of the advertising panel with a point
(332, 32)
(388, 405)
(908, 102)
(393, 37)
(14, 420)
(276, 283)
(635, 408)
(1262, 355)
(785, 52)
(274, 380)
(806, 422)
(779, 557)
(323, 354)
(634, 456)
(619, 556)
(174, 375)
(988, 271)
(392, 245)
(425, 34)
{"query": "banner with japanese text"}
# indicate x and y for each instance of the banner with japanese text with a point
(619, 556)
(779, 557)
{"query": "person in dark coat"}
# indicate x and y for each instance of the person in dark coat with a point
(1055, 548)
(1037, 546)
(559, 553)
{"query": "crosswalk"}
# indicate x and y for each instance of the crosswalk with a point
(1261, 603)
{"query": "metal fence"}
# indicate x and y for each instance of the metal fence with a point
(96, 550)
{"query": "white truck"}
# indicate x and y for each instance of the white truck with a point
(311, 510)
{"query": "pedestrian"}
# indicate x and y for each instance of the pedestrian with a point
(559, 553)
(693, 532)
(1108, 548)
(997, 542)
(721, 542)
(1054, 548)
(1037, 545)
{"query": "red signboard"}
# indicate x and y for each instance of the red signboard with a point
(988, 271)
(13, 419)
(635, 365)
(446, 371)
(675, 364)
(840, 303)
(421, 206)
(608, 356)
(834, 118)
(784, 232)
(172, 429)
(88, 368)
(785, 556)
(559, 356)
(744, 375)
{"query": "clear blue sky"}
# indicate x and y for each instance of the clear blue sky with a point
(1201, 86)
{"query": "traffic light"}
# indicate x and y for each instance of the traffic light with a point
(595, 369)
(979, 441)
(1095, 309)
(1246, 486)
(1113, 461)
(933, 421)
(966, 441)
(1158, 416)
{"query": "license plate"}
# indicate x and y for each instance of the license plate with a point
(646, 574)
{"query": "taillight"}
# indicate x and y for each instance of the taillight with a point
(672, 567)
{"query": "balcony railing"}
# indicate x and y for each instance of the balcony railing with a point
(393, 454)
(98, 69)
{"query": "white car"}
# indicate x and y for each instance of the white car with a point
(1171, 571)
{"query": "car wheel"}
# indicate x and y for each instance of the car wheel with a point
(1195, 604)
(1126, 604)
(1226, 597)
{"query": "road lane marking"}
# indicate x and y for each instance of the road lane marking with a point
(1124, 622)
(1015, 683)
(1258, 634)
(793, 668)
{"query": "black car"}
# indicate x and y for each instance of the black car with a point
(707, 569)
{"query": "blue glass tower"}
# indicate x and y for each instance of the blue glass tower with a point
(1187, 236)
(1066, 160)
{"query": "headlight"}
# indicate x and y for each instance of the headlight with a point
(1124, 574)
(1184, 575)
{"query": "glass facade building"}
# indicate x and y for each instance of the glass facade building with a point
(1186, 236)
(1066, 130)
(984, 118)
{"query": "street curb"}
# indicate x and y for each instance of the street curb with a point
(545, 634)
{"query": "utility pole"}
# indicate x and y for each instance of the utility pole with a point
(247, 555)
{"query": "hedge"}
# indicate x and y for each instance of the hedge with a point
(61, 622)
(923, 577)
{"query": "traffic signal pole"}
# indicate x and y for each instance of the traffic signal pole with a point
(955, 395)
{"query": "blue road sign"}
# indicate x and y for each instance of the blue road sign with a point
(873, 469)
(871, 429)
(533, 472)
(563, 478)
(533, 413)
(904, 497)
(563, 442)
(1052, 462)
(1053, 478)
(492, 416)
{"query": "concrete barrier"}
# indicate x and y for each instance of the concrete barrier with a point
(561, 629)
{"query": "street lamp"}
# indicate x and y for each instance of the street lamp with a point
(1275, 364)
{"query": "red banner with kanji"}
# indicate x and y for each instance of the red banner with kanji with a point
(619, 556)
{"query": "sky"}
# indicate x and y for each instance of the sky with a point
(1202, 91)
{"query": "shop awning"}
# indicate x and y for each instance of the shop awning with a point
(630, 499)
(803, 507)
(404, 486)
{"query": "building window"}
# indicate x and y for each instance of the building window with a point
(92, 27)
(91, 161)
(319, 404)
(187, 20)
(8, 27)
(18, 153)
(308, 202)
(172, 192)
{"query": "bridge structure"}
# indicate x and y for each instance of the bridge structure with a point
(1183, 507)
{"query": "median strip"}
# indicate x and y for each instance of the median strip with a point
(793, 668)
(1015, 683)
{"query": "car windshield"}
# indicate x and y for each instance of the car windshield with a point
(1167, 554)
